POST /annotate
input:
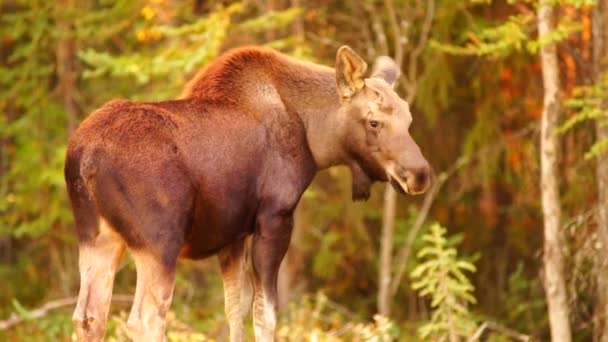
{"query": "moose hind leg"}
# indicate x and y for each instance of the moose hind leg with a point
(238, 289)
(98, 260)
(153, 295)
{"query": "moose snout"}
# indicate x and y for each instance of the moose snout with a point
(418, 179)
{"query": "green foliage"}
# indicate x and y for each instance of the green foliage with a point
(434, 89)
(440, 276)
(169, 53)
(271, 21)
(435, 86)
(180, 48)
(508, 37)
(499, 40)
(514, 35)
(588, 102)
(32, 193)
(325, 263)
(57, 326)
(561, 32)
(485, 129)
(525, 305)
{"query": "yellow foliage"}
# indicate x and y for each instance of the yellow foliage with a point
(148, 12)
(318, 319)
(148, 34)
(177, 331)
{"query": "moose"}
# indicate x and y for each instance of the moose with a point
(219, 171)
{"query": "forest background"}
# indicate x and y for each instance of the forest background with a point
(380, 270)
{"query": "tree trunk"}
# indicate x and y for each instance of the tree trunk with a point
(386, 251)
(600, 40)
(390, 196)
(65, 56)
(555, 287)
(67, 87)
(387, 289)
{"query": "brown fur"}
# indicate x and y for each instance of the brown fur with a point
(230, 159)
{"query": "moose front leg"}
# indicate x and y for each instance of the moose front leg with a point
(270, 244)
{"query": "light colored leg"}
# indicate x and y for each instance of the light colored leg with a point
(264, 314)
(97, 262)
(238, 290)
(153, 295)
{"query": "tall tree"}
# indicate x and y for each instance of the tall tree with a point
(409, 81)
(555, 285)
(600, 69)
(65, 59)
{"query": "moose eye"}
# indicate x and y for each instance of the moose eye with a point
(373, 123)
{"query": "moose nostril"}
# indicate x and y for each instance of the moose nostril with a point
(421, 177)
(417, 179)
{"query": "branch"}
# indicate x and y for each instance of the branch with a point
(323, 40)
(42, 311)
(377, 27)
(488, 325)
(404, 253)
(370, 47)
(399, 40)
(415, 54)
(573, 223)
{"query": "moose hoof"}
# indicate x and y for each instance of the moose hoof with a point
(87, 330)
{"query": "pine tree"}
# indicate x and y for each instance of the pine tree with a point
(441, 276)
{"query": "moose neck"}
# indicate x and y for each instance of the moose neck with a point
(317, 103)
(266, 78)
(312, 93)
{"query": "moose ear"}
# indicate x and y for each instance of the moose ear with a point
(386, 69)
(350, 72)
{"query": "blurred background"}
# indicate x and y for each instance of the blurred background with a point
(472, 74)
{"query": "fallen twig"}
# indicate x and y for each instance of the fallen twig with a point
(488, 325)
(15, 318)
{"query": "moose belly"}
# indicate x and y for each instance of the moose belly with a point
(216, 223)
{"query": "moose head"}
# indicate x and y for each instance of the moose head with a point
(377, 120)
